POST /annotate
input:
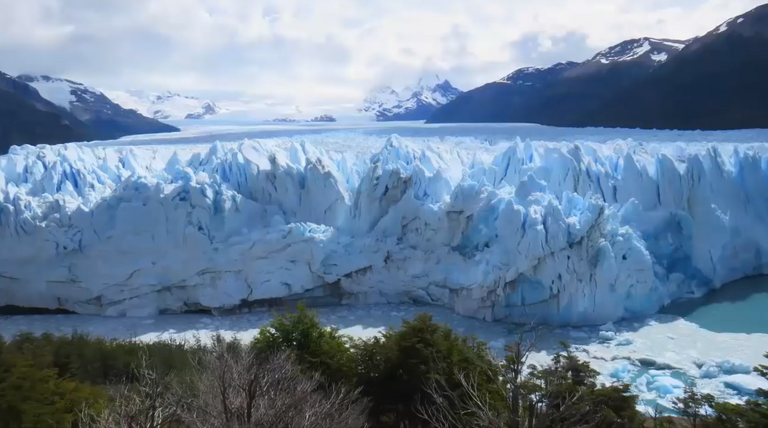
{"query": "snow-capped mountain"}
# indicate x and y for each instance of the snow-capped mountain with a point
(557, 94)
(166, 105)
(106, 118)
(412, 102)
(749, 24)
(714, 82)
(535, 76)
(63, 92)
(209, 108)
(379, 98)
(642, 49)
(26, 117)
(646, 50)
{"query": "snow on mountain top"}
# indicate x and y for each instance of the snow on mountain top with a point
(127, 100)
(679, 45)
(531, 75)
(62, 92)
(430, 80)
(59, 93)
(748, 24)
(163, 106)
(384, 102)
(424, 84)
(637, 48)
(380, 97)
(209, 108)
(646, 48)
(724, 25)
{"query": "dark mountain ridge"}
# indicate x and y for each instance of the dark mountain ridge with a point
(716, 81)
(27, 117)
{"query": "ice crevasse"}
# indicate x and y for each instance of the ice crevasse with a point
(564, 233)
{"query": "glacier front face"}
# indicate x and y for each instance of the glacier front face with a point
(559, 233)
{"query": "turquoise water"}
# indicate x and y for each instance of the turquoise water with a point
(738, 307)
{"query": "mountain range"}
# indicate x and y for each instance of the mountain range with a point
(165, 106)
(712, 82)
(47, 110)
(412, 102)
(715, 81)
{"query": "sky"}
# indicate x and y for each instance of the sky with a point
(324, 52)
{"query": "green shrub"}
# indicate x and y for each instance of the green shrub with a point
(318, 349)
(97, 360)
(423, 366)
(394, 369)
(35, 396)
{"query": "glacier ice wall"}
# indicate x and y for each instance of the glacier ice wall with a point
(557, 233)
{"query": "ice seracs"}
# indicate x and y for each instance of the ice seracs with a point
(555, 233)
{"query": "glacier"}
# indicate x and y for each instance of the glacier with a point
(566, 233)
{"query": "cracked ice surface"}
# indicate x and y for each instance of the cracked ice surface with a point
(563, 233)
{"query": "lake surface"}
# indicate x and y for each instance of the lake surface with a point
(737, 307)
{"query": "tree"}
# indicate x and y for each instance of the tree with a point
(692, 406)
(316, 348)
(394, 369)
(153, 401)
(31, 396)
(237, 387)
(563, 394)
(752, 414)
(658, 417)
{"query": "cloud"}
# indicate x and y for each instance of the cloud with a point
(540, 49)
(318, 52)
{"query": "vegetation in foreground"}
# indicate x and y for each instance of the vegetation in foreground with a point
(298, 374)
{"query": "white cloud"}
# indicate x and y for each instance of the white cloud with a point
(312, 52)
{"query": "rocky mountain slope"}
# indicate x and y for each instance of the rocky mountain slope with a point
(28, 118)
(108, 119)
(553, 95)
(719, 81)
(48, 110)
(716, 81)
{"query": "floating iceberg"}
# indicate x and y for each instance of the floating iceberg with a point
(560, 233)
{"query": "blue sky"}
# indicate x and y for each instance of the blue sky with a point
(312, 52)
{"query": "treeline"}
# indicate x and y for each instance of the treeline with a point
(298, 374)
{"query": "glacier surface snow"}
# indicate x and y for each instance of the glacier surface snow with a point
(561, 233)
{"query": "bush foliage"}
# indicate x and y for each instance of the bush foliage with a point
(296, 373)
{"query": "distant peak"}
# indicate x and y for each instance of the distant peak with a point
(536, 75)
(32, 78)
(644, 48)
(412, 102)
(749, 23)
(429, 81)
